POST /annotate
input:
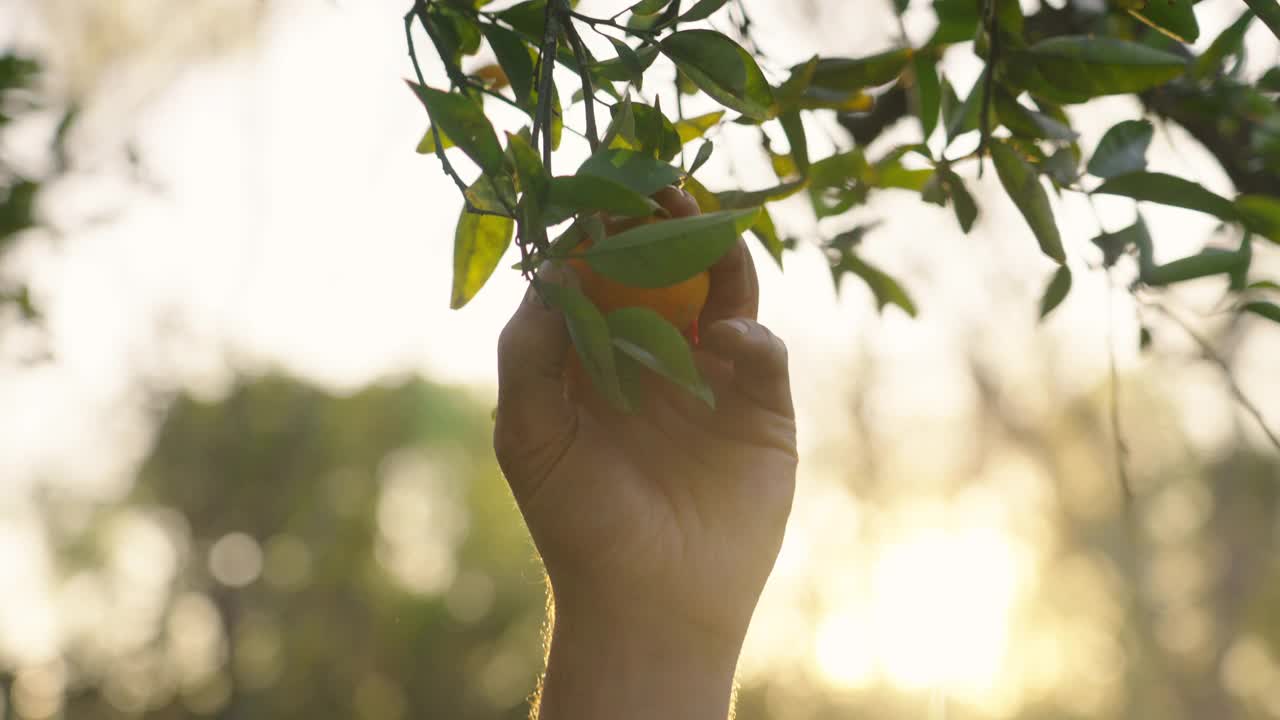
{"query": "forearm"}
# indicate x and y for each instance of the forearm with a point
(635, 665)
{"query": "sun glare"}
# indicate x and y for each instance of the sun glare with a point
(936, 616)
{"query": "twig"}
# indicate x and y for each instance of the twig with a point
(1206, 348)
(988, 80)
(1117, 434)
(584, 72)
(1267, 11)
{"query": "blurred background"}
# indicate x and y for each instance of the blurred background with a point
(245, 462)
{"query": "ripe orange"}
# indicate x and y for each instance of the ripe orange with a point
(680, 303)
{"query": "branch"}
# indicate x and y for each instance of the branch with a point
(584, 72)
(1267, 11)
(1208, 351)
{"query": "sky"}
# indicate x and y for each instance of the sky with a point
(281, 220)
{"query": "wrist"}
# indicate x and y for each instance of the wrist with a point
(622, 662)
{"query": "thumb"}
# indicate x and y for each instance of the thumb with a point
(535, 421)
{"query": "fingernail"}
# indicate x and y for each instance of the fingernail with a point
(739, 325)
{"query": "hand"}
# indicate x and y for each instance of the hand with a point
(658, 529)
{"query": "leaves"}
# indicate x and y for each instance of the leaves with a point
(479, 242)
(885, 289)
(1056, 291)
(1096, 66)
(704, 154)
(1116, 244)
(1022, 183)
(514, 58)
(927, 90)
(572, 194)
(702, 10)
(1122, 149)
(722, 69)
(695, 127)
(1270, 311)
(1175, 18)
(1168, 190)
(463, 120)
(590, 334)
(646, 337)
(642, 173)
(1203, 264)
(664, 253)
(1261, 214)
(859, 73)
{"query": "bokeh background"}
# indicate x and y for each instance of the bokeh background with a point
(245, 462)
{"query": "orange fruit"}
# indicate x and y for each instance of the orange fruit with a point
(680, 303)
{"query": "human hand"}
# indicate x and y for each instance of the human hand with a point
(659, 528)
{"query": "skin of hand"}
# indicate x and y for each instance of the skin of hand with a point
(658, 529)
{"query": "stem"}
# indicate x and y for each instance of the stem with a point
(1267, 11)
(1206, 348)
(584, 72)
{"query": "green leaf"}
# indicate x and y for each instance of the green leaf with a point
(695, 127)
(655, 133)
(661, 254)
(632, 65)
(722, 69)
(642, 173)
(1270, 311)
(1175, 18)
(590, 334)
(1229, 43)
(859, 73)
(928, 92)
(963, 117)
(1056, 291)
(479, 242)
(1116, 244)
(427, 145)
(957, 21)
(527, 17)
(1263, 285)
(622, 127)
(885, 288)
(1203, 264)
(1169, 190)
(1270, 80)
(1096, 66)
(702, 10)
(645, 336)
(767, 233)
(704, 154)
(1029, 123)
(1261, 214)
(463, 120)
(571, 194)
(752, 199)
(1123, 149)
(648, 7)
(513, 57)
(793, 127)
(1022, 184)
(962, 202)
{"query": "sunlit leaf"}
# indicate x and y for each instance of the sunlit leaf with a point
(695, 127)
(1102, 65)
(793, 127)
(479, 242)
(1056, 291)
(1123, 149)
(1169, 190)
(1022, 183)
(665, 253)
(722, 69)
(645, 336)
(427, 145)
(463, 120)
(767, 233)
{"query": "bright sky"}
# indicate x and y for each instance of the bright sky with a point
(292, 225)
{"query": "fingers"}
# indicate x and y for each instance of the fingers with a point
(759, 359)
(735, 289)
(535, 420)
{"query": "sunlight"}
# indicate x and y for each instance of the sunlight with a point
(937, 616)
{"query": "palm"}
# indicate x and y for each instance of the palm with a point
(676, 500)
